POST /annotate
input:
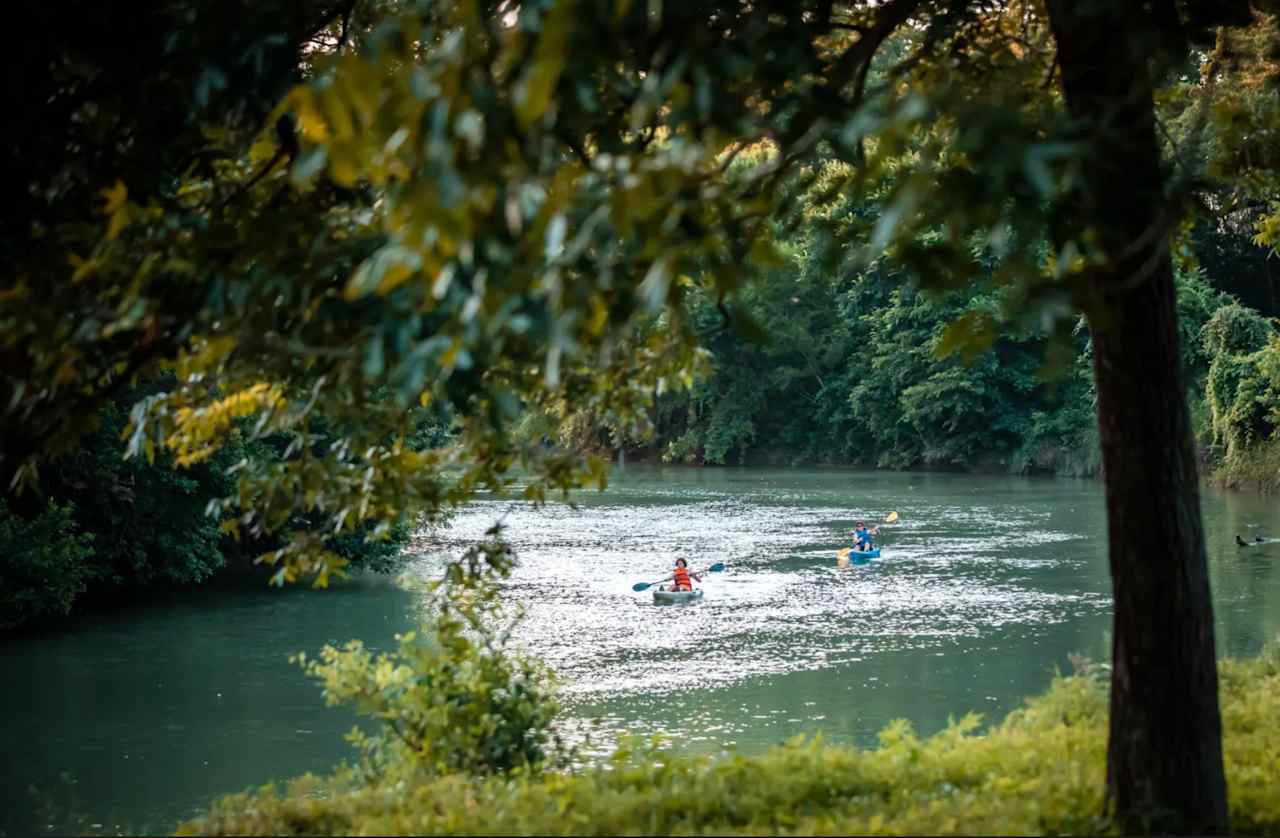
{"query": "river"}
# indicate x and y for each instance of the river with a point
(132, 720)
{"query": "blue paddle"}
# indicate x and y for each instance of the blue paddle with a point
(643, 586)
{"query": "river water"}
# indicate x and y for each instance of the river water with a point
(135, 719)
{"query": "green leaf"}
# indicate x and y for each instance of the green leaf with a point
(534, 91)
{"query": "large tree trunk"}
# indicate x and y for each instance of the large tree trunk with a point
(1164, 757)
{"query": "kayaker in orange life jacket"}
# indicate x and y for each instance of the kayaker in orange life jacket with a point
(682, 576)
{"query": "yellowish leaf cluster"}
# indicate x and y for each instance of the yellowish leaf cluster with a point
(198, 431)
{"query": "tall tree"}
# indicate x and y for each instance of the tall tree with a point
(1162, 642)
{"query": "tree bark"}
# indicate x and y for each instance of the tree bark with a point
(1164, 755)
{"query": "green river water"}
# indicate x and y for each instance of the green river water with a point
(135, 719)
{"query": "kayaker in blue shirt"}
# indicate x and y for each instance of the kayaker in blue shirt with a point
(862, 536)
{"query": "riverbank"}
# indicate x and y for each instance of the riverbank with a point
(1043, 461)
(1040, 771)
(1254, 470)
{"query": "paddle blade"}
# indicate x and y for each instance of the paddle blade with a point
(843, 561)
(716, 568)
(843, 553)
(641, 586)
(891, 517)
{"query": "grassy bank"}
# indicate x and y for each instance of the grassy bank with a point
(1039, 771)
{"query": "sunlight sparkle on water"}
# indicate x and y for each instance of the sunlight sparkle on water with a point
(948, 572)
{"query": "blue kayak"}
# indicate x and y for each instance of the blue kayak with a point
(858, 556)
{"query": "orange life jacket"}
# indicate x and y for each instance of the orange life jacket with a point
(682, 582)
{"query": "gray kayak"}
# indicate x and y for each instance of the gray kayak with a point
(661, 597)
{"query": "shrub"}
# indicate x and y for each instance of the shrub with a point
(1235, 330)
(44, 564)
(455, 699)
(378, 555)
(153, 524)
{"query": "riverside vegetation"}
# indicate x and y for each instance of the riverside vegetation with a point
(113, 528)
(1039, 771)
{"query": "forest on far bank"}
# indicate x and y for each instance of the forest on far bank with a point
(843, 368)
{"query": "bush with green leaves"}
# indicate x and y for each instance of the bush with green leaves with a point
(1037, 772)
(454, 698)
(44, 564)
(1234, 329)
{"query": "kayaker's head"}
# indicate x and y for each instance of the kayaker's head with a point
(862, 525)
(680, 562)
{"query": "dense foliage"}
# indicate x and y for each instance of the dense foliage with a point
(1037, 772)
(488, 213)
(44, 564)
(490, 216)
(852, 369)
(124, 524)
(113, 526)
